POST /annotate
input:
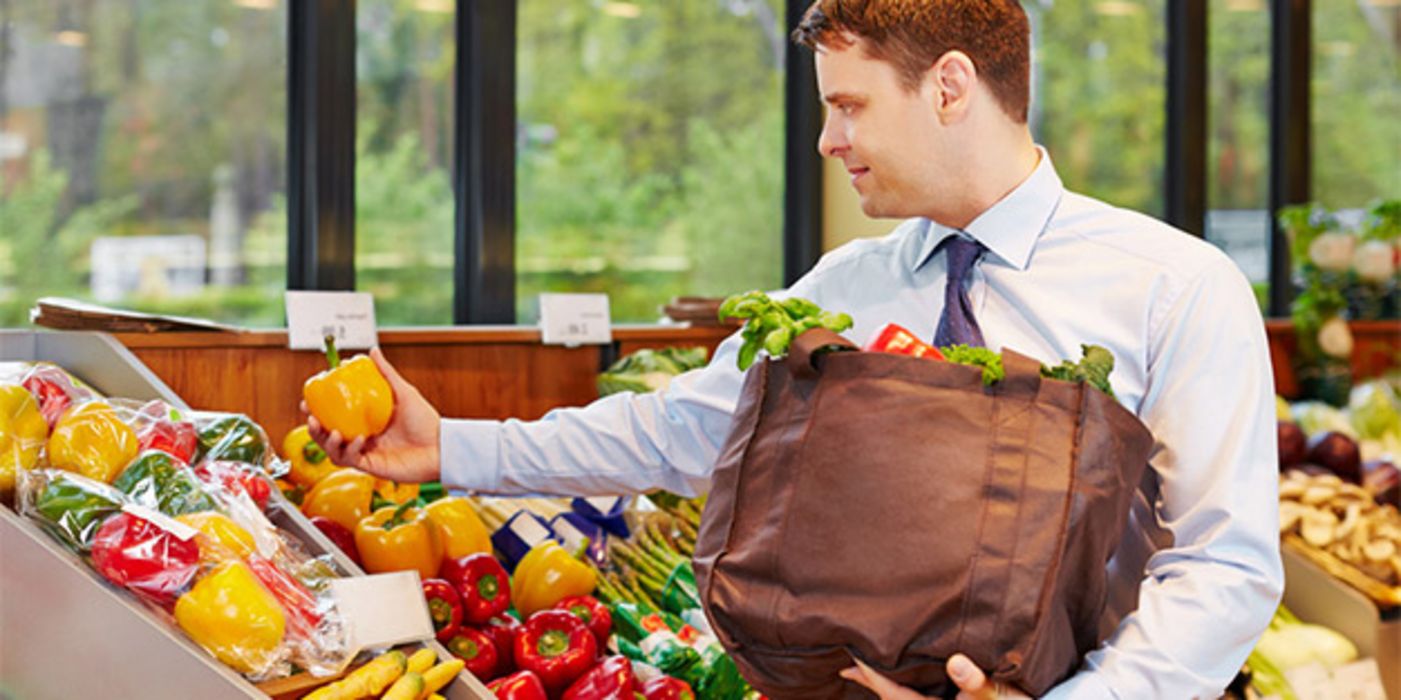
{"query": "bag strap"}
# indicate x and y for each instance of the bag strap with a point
(1023, 374)
(805, 350)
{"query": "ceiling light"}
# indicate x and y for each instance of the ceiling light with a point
(68, 37)
(1118, 8)
(622, 9)
(445, 7)
(257, 4)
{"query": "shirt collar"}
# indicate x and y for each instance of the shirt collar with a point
(1010, 227)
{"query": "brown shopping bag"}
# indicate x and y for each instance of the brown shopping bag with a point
(895, 509)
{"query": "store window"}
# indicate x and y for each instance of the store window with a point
(1099, 73)
(143, 156)
(650, 150)
(403, 161)
(1238, 136)
(1356, 130)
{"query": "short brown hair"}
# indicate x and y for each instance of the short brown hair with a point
(912, 34)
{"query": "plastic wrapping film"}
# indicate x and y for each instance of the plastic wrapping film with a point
(173, 507)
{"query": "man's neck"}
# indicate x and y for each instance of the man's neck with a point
(992, 173)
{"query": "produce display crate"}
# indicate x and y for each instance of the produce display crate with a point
(64, 632)
(1318, 597)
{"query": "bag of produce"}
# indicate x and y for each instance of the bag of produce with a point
(900, 509)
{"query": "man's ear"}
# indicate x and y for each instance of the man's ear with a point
(952, 81)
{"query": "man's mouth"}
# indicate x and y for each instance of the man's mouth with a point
(856, 173)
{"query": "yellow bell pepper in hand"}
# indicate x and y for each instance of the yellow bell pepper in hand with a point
(548, 574)
(399, 538)
(307, 462)
(91, 440)
(23, 431)
(229, 613)
(351, 397)
(461, 531)
(344, 497)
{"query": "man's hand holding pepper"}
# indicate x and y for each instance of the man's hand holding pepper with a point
(407, 450)
(972, 683)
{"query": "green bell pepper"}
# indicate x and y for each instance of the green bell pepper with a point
(73, 507)
(234, 438)
(158, 480)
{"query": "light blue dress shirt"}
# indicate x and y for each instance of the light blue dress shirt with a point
(1191, 361)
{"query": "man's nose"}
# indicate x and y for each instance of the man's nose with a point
(831, 142)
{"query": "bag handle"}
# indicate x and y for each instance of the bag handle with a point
(1023, 374)
(809, 346)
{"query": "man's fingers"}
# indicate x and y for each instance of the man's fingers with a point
(353, 450)
(878, 684)
(395, 379)
(971, 681)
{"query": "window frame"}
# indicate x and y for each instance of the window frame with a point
(321, 160)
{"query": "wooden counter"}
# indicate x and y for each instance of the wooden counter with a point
(466, 372)
(504, 371)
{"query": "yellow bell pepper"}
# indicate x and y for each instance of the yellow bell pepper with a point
(220, 537)
(23, 431)
(399, 538)
(229, 613)
(461, 531)
(395, 492)
(548, 574)
(351, 397)
(344, 497)
(307, 462)
(91, 440)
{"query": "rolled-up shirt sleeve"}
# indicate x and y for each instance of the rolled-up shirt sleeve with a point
(1205, 599)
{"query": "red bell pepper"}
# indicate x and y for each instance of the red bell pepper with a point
(594, 614)
(896, 340)
(611, 679)
(476, 648)
(298, 602)
(503, 631)
(338, 535)
(166, 432)
(444, 607)
(145, 558)
(235, 478)
(518, 686)
(49, 392)
(667, 688)
(557, 646)
(482, 582)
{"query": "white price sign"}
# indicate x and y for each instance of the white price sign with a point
(348, 316)
(575, 319)
(383, 609)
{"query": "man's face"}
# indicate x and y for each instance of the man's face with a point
(886, 136)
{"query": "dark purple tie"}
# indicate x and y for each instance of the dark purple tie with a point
(957, 326)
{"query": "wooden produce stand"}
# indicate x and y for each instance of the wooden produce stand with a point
(65, 633)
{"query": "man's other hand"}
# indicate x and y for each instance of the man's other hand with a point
(407, 450)
(972, 683)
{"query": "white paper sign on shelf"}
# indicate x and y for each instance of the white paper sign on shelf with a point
(383, 609)
(575, 319)
(349, 316)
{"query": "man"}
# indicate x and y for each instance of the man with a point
(927, 111)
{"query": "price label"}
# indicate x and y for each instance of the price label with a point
(347, 316)
(161, 520)
(383, 609)
(575, 319)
